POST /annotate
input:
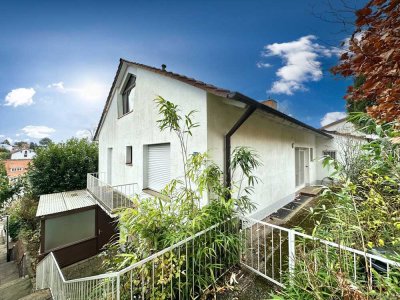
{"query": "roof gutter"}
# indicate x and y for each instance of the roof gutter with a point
(249, 101)
(249, 111)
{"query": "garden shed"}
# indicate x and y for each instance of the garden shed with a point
(72, 226)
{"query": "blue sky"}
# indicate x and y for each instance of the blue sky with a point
(58, 58)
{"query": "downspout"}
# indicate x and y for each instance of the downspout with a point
(249, 111)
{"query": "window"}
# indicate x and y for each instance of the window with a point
(330, 153)
(157, 165)
(129, 155)
(69, 229)
(25, 153)
(128, 93)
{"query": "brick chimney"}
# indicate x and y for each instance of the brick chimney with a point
(271, 103)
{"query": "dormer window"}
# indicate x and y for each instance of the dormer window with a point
(127, 95)
(25, 153)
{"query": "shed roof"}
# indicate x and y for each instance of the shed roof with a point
(61, 202)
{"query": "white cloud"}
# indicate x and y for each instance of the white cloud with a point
(20, 96)
(263, 65)
(2, 136)
(301, 63)
(83, 134)
(38, 132)
(58, 86)
(10, 140)
(332, 117)
(89, 90)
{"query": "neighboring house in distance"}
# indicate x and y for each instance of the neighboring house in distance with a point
(19, 163)
(133, 150)
(23, 154)
(16, 167)
(6, 147)
(346, 137)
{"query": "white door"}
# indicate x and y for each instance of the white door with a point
(301, 166)
(158, 166)
(109, 165)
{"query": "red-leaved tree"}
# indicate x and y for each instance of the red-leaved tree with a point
(374, 55)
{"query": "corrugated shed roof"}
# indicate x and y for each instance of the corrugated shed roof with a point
(61, 202)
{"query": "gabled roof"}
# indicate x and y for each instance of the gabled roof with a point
(334, 123)
(225, 93)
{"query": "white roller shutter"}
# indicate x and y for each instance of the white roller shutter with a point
(158, 166)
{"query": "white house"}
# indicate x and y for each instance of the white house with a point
(135, 157)
(23, 154)
(345, 137)
(133, 150)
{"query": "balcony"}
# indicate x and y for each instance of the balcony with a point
(110, 197)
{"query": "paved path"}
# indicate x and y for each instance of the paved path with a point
(12, 287)
(8, 270)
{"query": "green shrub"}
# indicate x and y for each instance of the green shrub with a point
(63, 167)
(155, 223)
(22, 212)
(362, 212)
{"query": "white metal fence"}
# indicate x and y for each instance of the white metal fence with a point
(273, 252)
(186, 269)
(110, 197)
(182, 271)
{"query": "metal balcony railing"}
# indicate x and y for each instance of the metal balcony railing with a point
(110, 197)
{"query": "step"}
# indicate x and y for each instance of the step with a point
(8, 272)
(39, 295)
(16, 289)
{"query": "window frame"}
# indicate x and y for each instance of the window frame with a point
(128, 87)
(328, 153)
(128, 155)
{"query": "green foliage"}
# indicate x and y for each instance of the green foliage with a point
(358, 106)
(33, 146)
(362, 213)
(155, 223)
(9, 189)
(62, 167)
(4, 154)
(45, 142)
(22, 213)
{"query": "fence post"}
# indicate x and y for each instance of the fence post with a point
(118, 285)
(292, 251)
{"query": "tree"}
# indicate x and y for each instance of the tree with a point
(33, 145)
(45, 141)
(4, 154)
(8, 189)
(7, 142)
(374, 55)
(21, 144)
(62, 167)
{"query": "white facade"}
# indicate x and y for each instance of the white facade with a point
(139, 128)
(274, 141)
(23, 154)
(273, 137)
(345, 136)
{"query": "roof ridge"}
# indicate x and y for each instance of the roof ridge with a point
(221, 92)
